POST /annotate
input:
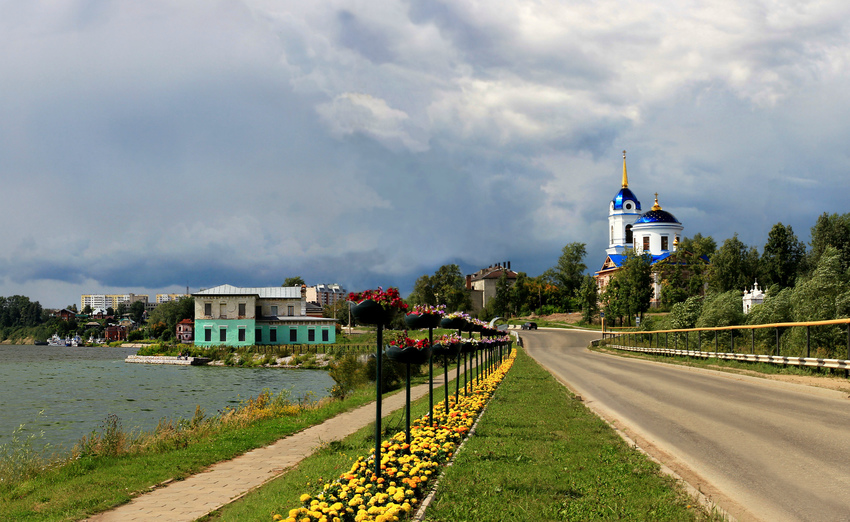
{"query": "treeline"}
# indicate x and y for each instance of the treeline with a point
(18, 310)
(800, 284)
(563, 288)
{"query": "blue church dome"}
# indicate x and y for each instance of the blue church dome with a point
(624, 195)
(656, 215)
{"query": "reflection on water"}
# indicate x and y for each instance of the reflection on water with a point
(76, 388)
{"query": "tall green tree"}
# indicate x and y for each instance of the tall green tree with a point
(170, 313)
(698, 245)
(822, 296)
(588, 298)
(137, 311)
(447, 286)
(293, 281)
(734, 266)
(423, 291)
(568, 274)
(831, 230)
(521, 296)
(630, 290)
(783, 257)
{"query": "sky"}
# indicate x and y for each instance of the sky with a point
(151, 146)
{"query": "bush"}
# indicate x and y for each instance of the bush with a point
(348, 373)
(135, 335)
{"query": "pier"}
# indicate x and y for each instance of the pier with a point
(163, 359)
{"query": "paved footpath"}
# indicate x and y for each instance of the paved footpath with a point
(197, 495)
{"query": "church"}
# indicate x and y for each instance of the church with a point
(655, 232)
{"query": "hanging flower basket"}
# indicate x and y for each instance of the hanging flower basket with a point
(376, 306)
(409, 354)
(425, 316)
(370, 312)
(406, 350)
(445, 350)
(467, 347)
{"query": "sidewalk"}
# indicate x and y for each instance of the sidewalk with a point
(194, 497)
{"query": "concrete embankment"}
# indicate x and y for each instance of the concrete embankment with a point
(162, 359)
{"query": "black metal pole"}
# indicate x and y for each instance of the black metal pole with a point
(378, 402)
(431, 376)
(407, 407)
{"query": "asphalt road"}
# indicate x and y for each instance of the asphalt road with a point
(760, 449)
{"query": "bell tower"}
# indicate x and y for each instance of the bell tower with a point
(623, 211)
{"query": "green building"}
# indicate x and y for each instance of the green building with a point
(231, 316)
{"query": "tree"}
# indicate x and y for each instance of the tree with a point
(823, 296)
(447, 286)
(831, 230)
(721, 310)
(733, 267)
(423, 291)
(501, 302)
(686, 313)
(121, 310)
(87, 310)
(172, 312)
(698, 245)
(567, 275)
(783, 257)
(293, 281)
(630, 290)
(521, 296)
(588, 298)
(137, 311)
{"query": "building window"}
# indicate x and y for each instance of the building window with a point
(612, 236)
(258, 335)
(293, 335)
(274, 310)
(222, 311)
(273, 335)
(646, 243)
(311, 335)
(241, 309)
(325, 335)
(207, 309)
(290, 310)
(628, 234)
(208, 334)
(241, 335)
(222, 334)
(664, 243)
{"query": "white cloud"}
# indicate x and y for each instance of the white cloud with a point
(351, 113)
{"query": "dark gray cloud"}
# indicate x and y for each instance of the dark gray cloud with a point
(147, 147)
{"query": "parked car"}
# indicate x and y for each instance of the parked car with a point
(529, 326)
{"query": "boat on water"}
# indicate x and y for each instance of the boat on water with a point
(40, 343)
(55, 340)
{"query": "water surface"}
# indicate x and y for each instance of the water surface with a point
(76, 388)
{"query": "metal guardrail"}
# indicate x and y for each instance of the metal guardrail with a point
(634, 339)
(811, 362)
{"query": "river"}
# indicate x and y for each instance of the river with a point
(76, 388)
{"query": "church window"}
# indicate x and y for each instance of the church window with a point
(628, 233)
(664, 243)
(612, 235)
(646, 243)
(628, 206)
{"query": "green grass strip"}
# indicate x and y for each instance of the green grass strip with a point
(538, 454)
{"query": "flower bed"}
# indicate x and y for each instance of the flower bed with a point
(408, 472)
